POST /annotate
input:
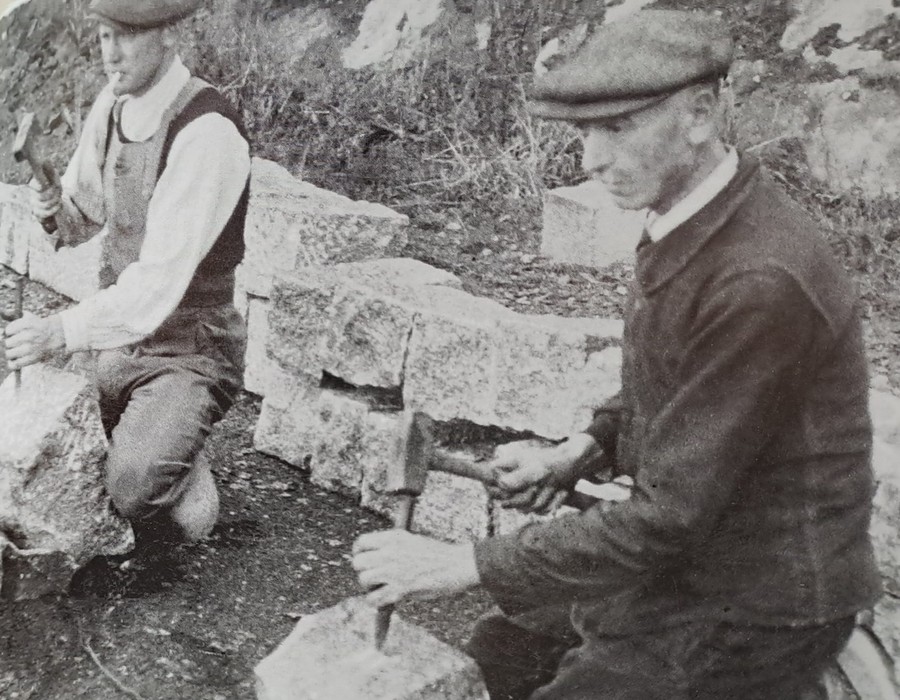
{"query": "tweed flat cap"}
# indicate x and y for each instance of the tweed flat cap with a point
(632, 63)
(143, 14)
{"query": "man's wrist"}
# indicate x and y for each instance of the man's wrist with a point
(56, 333)
(579, 452)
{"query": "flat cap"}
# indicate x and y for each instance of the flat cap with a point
(142, 14)
(632, 63)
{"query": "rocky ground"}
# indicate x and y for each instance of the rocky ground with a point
(192, 621)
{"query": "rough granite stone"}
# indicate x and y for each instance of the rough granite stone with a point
(330, 655)
(885, 527)
(855, 142)
(552, 372)
(16, 225)
(583, 225)
(285, 428)
(258, 370)
(292, 224)
(350, 320)
(54, 510)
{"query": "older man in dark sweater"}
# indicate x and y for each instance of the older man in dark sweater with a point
(737, 565)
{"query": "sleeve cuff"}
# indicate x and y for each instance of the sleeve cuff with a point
(75, 330)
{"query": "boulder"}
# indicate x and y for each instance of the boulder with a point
(54, 510)
(583, 225)
(331, 656)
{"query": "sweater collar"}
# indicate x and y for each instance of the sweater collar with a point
(659, 262)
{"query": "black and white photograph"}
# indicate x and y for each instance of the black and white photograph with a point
(450, 350)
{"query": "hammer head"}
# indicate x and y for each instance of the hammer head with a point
(24, 137)
(408, 467)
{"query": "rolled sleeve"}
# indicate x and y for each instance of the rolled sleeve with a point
(743, 360)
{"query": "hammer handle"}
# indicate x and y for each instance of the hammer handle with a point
(444, 461)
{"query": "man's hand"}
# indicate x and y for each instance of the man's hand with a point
(32, 339)
(395, 564)
(537, 479)
(46, 202)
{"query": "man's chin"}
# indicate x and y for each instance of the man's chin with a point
(627, 202)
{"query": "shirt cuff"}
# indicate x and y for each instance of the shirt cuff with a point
(75, 329)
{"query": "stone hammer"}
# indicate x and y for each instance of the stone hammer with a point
(24, 150)
(414, 456)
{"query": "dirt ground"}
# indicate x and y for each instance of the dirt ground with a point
(192, 622)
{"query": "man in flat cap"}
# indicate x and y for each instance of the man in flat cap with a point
(162, 173)
(737, 565)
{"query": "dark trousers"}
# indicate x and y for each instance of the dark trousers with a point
(693, 661)
(159, 400)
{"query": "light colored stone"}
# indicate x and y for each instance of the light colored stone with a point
(506, 521)
(16, 226)
(855, 19)
(53, 505)
(339, 436)
(452, 508)
(628, 7)
(258, 370)
(887, 628)
(552, 372)
(852, 58)
(286, 427)
(885, 409)
(391, 31)
(73, 271)
(450, 369)
(885, 528)
(855, 139)
(582, 225)
(331, 656)
(292, 224)
(350, 320)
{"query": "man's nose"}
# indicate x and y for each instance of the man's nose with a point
(598, 152)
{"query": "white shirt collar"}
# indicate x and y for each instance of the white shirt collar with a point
(661, 225)
(142, 114)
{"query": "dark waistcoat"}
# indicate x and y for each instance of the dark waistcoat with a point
(130, 173)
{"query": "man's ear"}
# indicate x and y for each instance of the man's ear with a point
(170, 35)
(703, 110)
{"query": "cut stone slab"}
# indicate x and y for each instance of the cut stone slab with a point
(350, 320)
(54, 510)
(16, 226)
(331, 656)
(854, 139)
(337, 435)
(258, 370)
(455, 356)
(292, 224)
(552, 372)
(582, 225)
(885, 527)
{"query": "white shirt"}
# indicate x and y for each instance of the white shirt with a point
(207, 169)
(661, 225)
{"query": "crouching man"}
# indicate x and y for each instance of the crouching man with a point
(162, 173)
(736, 567)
